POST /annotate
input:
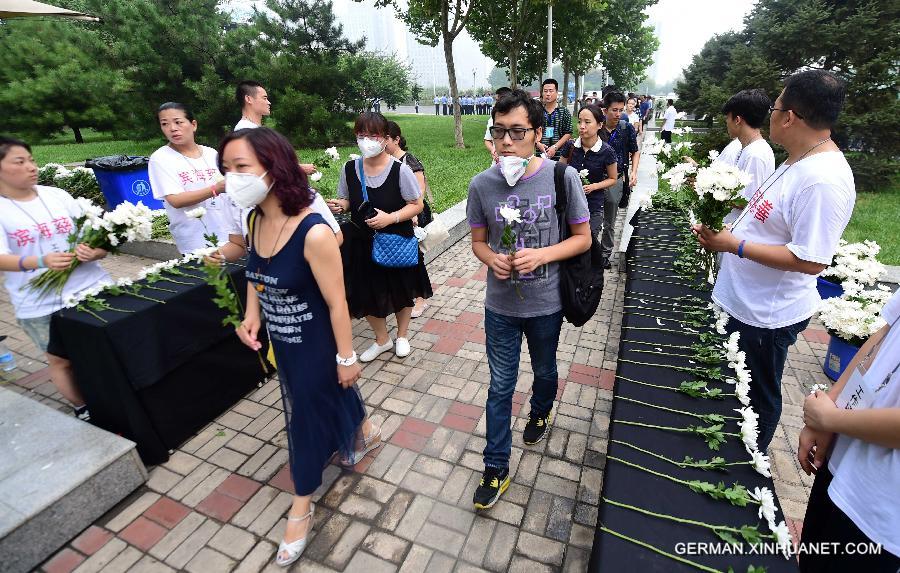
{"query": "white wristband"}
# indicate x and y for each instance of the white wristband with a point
(346, 361)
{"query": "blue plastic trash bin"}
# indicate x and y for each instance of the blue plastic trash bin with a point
(124, 178)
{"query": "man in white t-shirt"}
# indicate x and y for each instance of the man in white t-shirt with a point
(488, 140)
(744, 116)
(254, 102)
(786, 235)
(854, 498)
(668, 121)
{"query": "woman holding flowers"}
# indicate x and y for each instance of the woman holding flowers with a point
(595, 160)
(35, 224)
(184, 175)
(295, 281)
(394, 199)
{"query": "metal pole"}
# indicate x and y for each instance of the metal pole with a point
(550, 40)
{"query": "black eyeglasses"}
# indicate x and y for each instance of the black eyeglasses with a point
(515, 133)
(781, 109)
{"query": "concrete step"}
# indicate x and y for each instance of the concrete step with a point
(57, 476)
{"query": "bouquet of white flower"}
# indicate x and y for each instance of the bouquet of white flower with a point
(98, 230)
(509, 239)
(718, 189)
(855, 315)
(855, 262)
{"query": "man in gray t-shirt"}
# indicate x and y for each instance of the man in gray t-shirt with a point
(523, 295)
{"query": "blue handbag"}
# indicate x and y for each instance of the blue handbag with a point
(388, 249)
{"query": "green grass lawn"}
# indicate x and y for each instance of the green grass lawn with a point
(430, 138)
(876, 217)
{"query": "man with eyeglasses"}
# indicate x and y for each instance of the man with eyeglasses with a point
(557, 121)
(787, 234)
(622, 137)
(523, 290)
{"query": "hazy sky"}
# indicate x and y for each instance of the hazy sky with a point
(683, 26)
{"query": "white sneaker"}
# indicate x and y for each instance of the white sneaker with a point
(375, 350)
(403, 349)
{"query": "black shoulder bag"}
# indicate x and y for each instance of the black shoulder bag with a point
(581, 277)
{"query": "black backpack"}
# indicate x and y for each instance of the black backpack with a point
(581, 277)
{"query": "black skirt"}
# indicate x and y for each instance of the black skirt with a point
(373, 290)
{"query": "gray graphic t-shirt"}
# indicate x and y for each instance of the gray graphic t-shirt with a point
(535, 197)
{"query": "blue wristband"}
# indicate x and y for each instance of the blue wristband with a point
(40, 262)
(22, 264)
(740, 251)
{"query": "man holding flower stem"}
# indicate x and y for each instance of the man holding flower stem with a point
(787, 234)
(523, 292)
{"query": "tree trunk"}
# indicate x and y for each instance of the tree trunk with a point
(566, 83)
(78, 137)
(513, 69)
(578, 102)
(454, 93)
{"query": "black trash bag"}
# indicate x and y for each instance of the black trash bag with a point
(118, 163)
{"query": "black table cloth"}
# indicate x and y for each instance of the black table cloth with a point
(160, 372)
(628, 485)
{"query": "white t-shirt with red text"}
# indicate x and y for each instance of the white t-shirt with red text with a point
(867, 481)
(38, 227)
(805, 209)
(171, 173)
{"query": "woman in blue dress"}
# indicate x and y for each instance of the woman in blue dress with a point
(295, 282)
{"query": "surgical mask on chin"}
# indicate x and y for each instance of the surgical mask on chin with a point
(513, 167)
(369, 147)
(247, 190)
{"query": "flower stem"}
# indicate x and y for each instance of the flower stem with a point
(151, 287)
(673, 410)
(679, 519)
(92, 313)
(660, 551)
(685, 347)
(659, 329)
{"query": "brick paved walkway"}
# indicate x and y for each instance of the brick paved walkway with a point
(219, 504)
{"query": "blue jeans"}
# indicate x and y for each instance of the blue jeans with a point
(766, 350)
(504, 344)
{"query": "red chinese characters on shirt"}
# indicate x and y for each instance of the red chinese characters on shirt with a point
(197, 175)
(22, 237)
(763, 210)
(25, 237)
(63, 225)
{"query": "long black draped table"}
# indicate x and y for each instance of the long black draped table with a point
(160, 372)
(652, 245)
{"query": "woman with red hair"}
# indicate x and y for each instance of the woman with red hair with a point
(295, 281)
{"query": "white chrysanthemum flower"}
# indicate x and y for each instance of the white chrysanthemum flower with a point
(767, 507)
(332, 152)
(782, 538)
(196, 213)
(817, 387)
(760, 463)
(315, 176)
(510, 215)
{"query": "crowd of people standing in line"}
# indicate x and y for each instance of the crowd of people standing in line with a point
(468, 104)
(307, 275)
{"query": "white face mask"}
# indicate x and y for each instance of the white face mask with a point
(246, 189)
(369, 147)
(513, 167)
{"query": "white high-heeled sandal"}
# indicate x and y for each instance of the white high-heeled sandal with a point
(295, 549)
(369, 444)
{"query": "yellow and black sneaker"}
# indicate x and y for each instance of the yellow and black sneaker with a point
(494, 482)
(537, 428)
